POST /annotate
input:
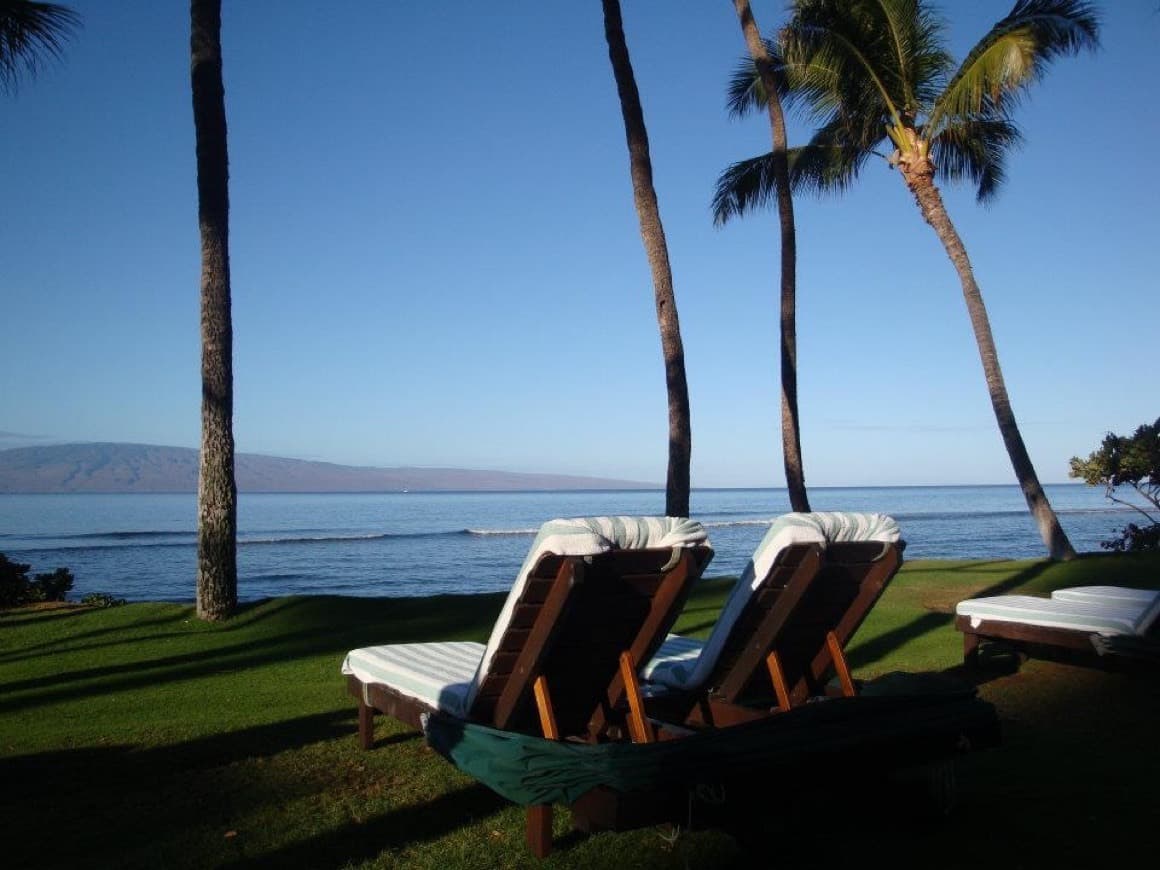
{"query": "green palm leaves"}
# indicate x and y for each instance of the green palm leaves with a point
(31, 34)
(875, 77)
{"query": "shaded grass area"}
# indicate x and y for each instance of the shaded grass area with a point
(141, 737)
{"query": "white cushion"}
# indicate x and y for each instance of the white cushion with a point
(437, 674)
(1100, 617)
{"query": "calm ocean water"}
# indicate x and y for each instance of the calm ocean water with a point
(143, 547)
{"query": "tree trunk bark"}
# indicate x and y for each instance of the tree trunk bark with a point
(217, 574)
(919, 177)
(653, 235)
(791, 444)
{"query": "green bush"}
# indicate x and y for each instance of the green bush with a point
(16, 589)
(101, 599)
(1131, 462)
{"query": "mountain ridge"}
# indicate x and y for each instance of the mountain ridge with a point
(116, 467)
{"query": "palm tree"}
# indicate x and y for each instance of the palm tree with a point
(217, 495)
(31, 34)
(791, 442)
(653, 235)
(876, 71)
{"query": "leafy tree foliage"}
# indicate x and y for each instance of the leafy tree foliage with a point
(1132, 462)
(17, 589)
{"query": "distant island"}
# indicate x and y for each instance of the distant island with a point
(128, 468)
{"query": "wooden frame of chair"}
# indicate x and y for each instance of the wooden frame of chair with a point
(558, 667)
(791, 633)
(1068, 645)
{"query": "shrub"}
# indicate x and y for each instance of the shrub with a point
(1134, 463)
(101, 599)
(17, 589)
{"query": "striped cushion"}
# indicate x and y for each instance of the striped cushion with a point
(1148, 600)
(1099, 617)
(437, 674)
(681, 662)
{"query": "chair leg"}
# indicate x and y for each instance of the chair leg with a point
(366, 725)
(539, 830)
(777, 675)
(639, 728)
(839, 659)
(970, 649)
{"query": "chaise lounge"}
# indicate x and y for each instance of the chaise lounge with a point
(808, 587)
(594, 597)
(1105, 626)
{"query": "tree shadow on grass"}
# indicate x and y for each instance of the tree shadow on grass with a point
(352, 843)
(126, 806)
(308, 627)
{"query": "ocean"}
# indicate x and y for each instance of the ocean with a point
(143, 547)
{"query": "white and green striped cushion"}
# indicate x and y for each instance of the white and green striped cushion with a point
(445, 676)
(1100, 617)
(1148, 600)
(684, 662)
(437, 674)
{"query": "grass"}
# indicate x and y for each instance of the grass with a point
(138, 736)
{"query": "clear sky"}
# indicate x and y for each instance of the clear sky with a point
(436, 260)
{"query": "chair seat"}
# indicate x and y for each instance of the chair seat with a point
(1142, 598)
(439, 675)
(1098, 617)
(675, 662)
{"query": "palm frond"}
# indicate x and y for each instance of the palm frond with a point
(743, 187)
(825, 167)
(828, 164)
(746, 92)
(976, 149)
(1016, 53)
(31, 34)
(847, 42)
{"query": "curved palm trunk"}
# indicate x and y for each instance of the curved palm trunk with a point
(919, 178)
(217, 574)
(653, 235)
(791, 445)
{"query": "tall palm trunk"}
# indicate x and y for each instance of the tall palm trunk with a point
(653, 235)
(918, 173)
(217, 523)
(791, 445)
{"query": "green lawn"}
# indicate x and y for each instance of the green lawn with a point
(140, 737)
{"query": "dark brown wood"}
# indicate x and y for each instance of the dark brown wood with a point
(1066, 645)
(639, 728)
(387, 701)
(538, 831)
(575, 618)
(838, 657)
(780, 651)
(777, 677)
(366, 724)
(771, 607)
(535, 641)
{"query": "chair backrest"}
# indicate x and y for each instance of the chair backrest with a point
(571, 614)
(825, 571)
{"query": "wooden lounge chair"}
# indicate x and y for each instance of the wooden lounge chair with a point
(755, 681)
(593, 599)
(1104, 626)
(807, 589)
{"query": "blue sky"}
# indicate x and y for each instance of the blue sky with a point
(436, 260)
